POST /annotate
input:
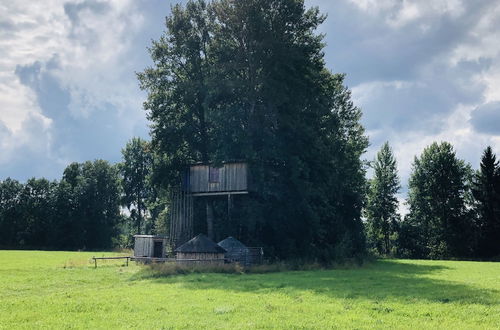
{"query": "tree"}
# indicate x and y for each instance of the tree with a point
(94, 209)
(438, 225)
(11, 220)
(37, 205)
(247, 80)
(136, 171)
(486, 191)
(382, 203)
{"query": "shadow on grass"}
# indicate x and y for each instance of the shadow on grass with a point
(384, 279)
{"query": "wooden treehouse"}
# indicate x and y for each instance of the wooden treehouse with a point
(206, 180)
(203, 180)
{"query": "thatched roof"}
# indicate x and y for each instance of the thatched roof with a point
(200, 244)
(231, 243)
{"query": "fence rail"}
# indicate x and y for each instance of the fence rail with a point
(109, 258)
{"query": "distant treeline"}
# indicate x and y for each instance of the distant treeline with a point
(454, 211)
(95, 205)
(82, 211)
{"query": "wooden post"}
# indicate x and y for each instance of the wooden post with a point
(229, 207)
(210, 219)
(95, 262)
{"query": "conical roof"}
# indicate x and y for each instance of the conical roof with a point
(200, 244)
(231, 243)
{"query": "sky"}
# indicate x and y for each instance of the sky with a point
(421, 71)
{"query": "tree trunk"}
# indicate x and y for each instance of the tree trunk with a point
(139, 218)
(210, 219)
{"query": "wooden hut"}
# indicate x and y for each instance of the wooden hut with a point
(238, 252)
(235, 250)
(200, 249)
(149, 246)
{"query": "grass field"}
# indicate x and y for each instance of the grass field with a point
(63, 290)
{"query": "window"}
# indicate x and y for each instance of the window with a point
(213, 174)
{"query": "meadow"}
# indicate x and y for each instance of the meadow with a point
(55, 290)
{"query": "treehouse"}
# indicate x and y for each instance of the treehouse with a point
(207, 180)
(203, 182)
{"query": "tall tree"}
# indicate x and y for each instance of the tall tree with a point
(237, 79)
(11, 214)
(95, 205)
(486, 190)
(179, 85)
(382, 202)
(136, 173)
(37, 200)
(438, 225)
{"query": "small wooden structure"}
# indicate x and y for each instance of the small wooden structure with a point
(238, 252)
(149, 246)
(209, 180)
(235, 250)
(200, 250)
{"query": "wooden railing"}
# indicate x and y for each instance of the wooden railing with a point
(106, 258)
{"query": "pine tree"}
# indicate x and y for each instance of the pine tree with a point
(486, 191)
(382, 203)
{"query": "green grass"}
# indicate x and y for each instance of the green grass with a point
(63, 290)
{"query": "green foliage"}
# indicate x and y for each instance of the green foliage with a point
(95, 211)
(81, 211)
(57, 290)
(247, 80)
(486, 190)
(439, 224)
(382, 203)
(136, 171)
(11, 212)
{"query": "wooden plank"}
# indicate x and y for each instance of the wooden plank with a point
(103, 258)
(219, 193)
(232, 177)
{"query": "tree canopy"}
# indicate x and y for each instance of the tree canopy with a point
(438, 225)
(136, 171)
(486, 190)
(247, 80)
(382, 203)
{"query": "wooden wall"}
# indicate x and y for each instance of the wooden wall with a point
(144, 246)
(181, 217)
(232, 177)
(246, 256)
(200, 256)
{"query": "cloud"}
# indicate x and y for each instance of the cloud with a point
(486, 118)
(422, 71)
(418, 69)
(70, 68)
